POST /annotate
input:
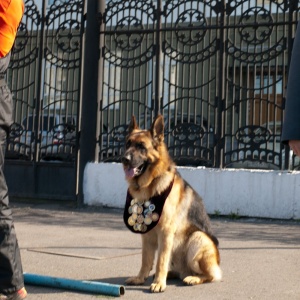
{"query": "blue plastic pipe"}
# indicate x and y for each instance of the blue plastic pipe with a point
(72, 284)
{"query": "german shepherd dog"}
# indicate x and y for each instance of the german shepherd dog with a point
(167, 212)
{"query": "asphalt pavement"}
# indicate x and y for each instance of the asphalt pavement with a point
(260, 259)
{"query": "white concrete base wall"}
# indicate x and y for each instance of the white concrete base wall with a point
(252, 193)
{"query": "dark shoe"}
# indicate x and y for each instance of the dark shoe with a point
(19, 295)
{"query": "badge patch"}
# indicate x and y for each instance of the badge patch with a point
(142, 216)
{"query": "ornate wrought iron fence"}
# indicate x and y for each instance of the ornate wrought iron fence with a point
(216, 70)
(45, 77)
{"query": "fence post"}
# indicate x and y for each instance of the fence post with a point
(89, 102)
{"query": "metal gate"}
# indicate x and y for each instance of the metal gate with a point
(45, 79)
(216, 70)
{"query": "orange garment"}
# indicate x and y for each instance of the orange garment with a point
(11, 12)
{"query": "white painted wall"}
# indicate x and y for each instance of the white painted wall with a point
(253, 193)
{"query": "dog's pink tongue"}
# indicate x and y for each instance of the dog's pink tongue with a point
(130, 172)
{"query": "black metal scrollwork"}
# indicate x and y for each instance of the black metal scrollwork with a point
(66, 37)
(255, 27)
(135, 39)
(190, 28)
(67, 34)
(118, 134)
(127, 20)
(16, 130)
(253, 135)
(191, 18)
(26, 38)
(260, 29)
(187, 133)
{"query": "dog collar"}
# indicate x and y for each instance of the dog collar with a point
(141, 216)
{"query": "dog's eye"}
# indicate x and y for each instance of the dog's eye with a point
(140, 146)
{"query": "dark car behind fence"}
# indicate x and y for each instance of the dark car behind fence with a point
(216, 70)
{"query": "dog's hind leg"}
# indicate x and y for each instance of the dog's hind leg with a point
(203, 260)
(149, 247)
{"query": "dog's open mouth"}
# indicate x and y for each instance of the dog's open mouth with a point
(136, 171)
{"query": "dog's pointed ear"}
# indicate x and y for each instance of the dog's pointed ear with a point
(132, 125)
(157, 128)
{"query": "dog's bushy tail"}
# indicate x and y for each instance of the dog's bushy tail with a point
(216, 272)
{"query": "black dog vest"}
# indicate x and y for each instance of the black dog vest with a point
(141, 216)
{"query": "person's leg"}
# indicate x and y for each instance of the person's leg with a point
(11, 273)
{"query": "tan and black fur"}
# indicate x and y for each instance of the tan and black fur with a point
(183, 237)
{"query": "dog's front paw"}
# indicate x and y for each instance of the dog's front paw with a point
(135, 281)
(158, 287)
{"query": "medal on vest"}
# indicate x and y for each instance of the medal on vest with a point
(141, 216)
